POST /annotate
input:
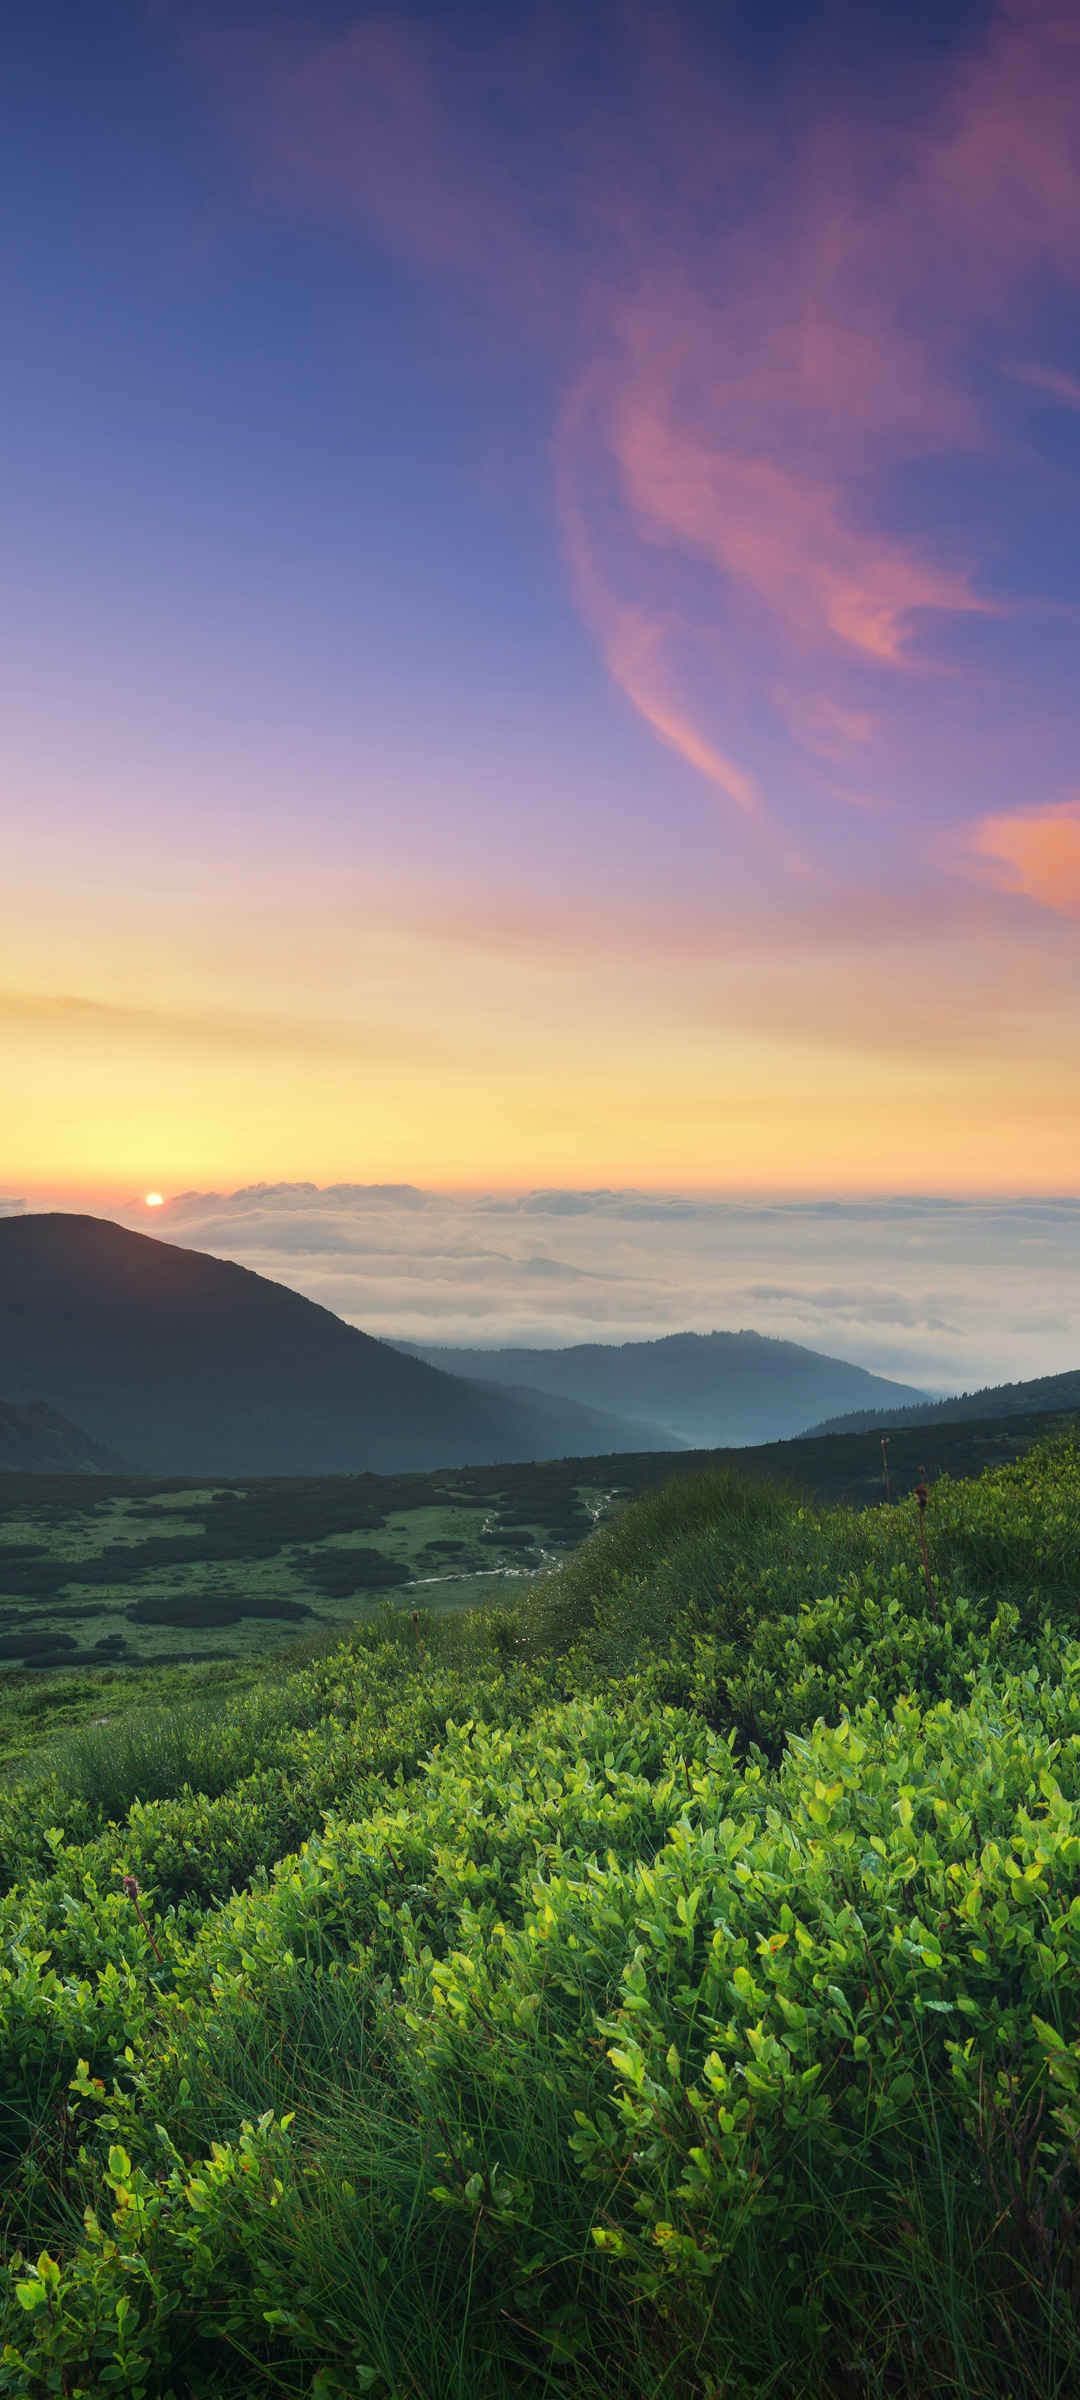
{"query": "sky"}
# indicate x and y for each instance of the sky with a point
(538, 625)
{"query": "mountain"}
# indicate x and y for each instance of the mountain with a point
(36, 1440)
(1045, 1393)
(188, 1365)
(706, 1388)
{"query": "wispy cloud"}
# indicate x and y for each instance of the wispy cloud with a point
(1049, 379)
(759, 403)
(779, 530)
(746, 385)
(636, 643)
(88, 1022)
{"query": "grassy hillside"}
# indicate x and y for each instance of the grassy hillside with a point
(667, 1986)
(706, 1388)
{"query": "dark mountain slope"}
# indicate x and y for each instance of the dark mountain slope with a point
(36, 1440)
(1045, 1393)
(188, 1365)
(707, 1388)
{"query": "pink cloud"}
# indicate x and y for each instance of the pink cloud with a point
(760, 398)
(634, 651)
(785, 536)
(746, 384)
(1035, 851)
(636, 644)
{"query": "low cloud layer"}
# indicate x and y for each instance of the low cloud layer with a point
(946, 1293)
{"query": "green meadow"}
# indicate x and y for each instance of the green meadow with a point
(108, 1580)
(104, 1573)
(661, 1981)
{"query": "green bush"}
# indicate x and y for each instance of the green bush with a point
(672, 1987)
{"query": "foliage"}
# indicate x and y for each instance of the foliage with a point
(671, 1987)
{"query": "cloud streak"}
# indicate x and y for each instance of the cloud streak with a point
(1048, 379)
(635, 643)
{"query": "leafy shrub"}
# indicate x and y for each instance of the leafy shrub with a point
(671, 1987)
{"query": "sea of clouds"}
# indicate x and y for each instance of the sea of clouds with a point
(944, 1293)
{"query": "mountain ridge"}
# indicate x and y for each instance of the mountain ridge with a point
(189, 1364)
(1039, 1395)
(708, 1388)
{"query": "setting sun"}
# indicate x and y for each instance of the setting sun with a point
(154, 1200)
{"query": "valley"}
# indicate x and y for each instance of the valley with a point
(114, 1587)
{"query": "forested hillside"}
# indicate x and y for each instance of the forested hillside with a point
(1040, 1396)
(706, 1389)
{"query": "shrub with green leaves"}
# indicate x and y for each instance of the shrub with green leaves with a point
(671, 1989)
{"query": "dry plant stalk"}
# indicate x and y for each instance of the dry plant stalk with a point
(131, 1888)
(922, 1496)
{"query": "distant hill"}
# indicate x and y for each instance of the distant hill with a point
(1044, 1395)
(705, 1388)
(188, 1365)
(36, 1440)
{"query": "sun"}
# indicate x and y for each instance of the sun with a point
(154, 1199)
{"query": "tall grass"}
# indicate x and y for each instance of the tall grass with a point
(686, 1529)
